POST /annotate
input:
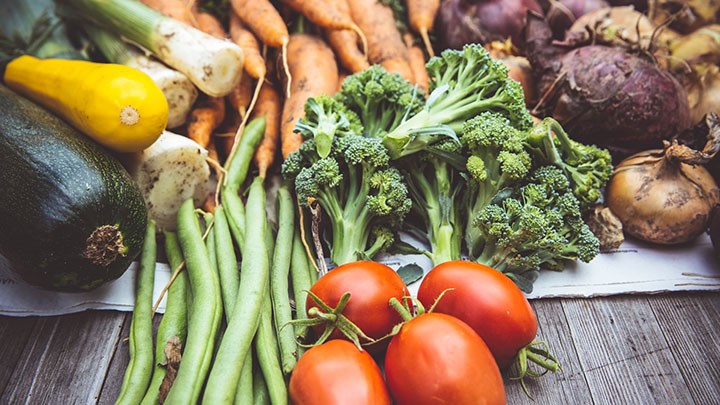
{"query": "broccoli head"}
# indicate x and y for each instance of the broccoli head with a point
(324, 118)
(462, 85)
(363, 197)
(586, 166)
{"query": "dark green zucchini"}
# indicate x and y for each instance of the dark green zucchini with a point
(71, 218)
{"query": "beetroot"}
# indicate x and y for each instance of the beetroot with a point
(605, 95)
(461, 22)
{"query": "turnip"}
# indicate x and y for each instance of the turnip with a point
(604, 95)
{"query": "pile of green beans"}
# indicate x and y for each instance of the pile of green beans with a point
(230, 304)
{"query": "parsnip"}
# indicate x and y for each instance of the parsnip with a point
(168, 172)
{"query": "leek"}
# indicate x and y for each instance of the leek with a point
(214, 65)
(179, 91)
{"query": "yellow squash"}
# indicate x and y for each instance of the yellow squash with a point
(118, 106)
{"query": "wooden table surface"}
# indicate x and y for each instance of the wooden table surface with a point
(629, 349)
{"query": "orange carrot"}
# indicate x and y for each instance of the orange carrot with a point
(177, 9)
(239, 99)
(209, 24)
(254, 64)
(344, 43)
(205, 118)
(327, 14)
(421, 14)
(269, 104)
(385, 44)
(341, 79)
(315, 72)
(417, 63)
(265, 21)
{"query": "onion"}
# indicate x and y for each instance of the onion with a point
(623, 26)
(685, 16)
(463, 22)
(704, 93)
(605, 95)
(562, 13)
(666, 196)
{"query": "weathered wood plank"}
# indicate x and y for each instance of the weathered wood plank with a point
(624, 356)
(691, 324)
(65, 359)
(116, 369)
(14, 334)
(567, 386)
(119, 363)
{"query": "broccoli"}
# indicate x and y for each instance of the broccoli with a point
(381, 100)
(436, 190)
(363, 197)
(324, 118)
(462, 85)
(586, 166)
(538, 226)
(496, 161)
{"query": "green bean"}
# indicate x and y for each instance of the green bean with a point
(279, 279)
(236, 172)
(261, 395)
(254, 279)
(139, 370)
(205, 314)
(266, 347)
(227, 262)
(174, 320)
(300, 275)
(244, 393)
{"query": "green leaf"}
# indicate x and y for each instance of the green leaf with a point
(410, 273)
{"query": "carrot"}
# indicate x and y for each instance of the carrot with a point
(269, 104)
(315, 72)
(341, 78)
(344, 43)
(385, 44)
(417, 63)
(239, 100)
(328, 14)
(254, 63)
(209, 24)
(421, 14)
(205, 118)
(177, 9)
(265, 21)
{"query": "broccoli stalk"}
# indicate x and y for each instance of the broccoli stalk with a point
(436, 189)
(463, 84)
(586, 166)
(363, 198)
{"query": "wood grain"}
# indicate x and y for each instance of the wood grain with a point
(690, 325)
(65, 359)
(624, 355)
(14, 333)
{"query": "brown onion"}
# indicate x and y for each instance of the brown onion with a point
(665, 196)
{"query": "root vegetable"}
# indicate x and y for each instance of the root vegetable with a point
(665, 196)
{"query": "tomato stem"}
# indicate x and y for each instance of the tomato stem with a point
(400, 308)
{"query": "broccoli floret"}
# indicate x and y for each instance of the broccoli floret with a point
(305, 156)
(380, 99)
(363, 197)
(436, 189)
(496, 161)
(538, 226)
(324, 118)
(462, 85)
(586, 166)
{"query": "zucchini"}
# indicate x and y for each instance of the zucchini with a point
(71, 218)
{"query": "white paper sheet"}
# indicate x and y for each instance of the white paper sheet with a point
(635, 268)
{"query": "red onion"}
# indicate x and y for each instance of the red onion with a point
(463, 22)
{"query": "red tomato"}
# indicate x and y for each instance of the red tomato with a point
(438, 359)
(336, 372)
(485, 299)
(371, 286)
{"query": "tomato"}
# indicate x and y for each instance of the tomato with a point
(485, 299)
(336, 372)
(371, 286)
(438, 359)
